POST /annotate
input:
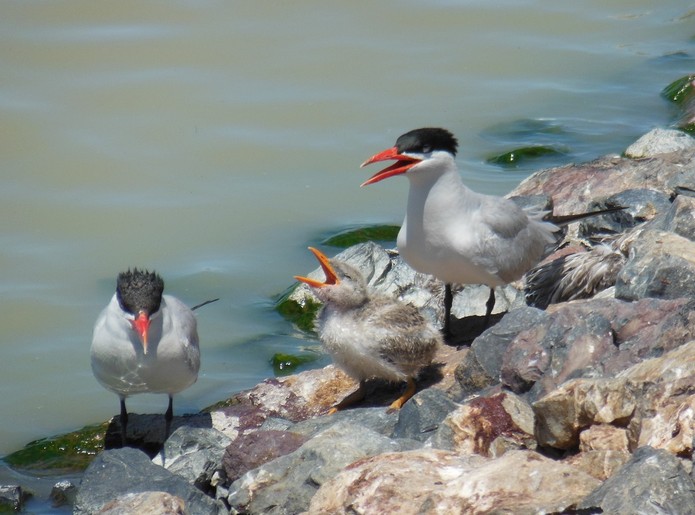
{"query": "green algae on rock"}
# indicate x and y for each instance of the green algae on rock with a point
(522, 154)
(285, 364)
(679, 89)
(71, 452)
(682, 93)
(301, 314)
(355, 235)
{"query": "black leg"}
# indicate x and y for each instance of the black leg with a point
(124, 422)
(170, 410)
(448, 300)
(168, 416)
(489, 305)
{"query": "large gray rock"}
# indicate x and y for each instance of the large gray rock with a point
(470, 300)
(148, 432)
(576, 343)
(662, 266)
(679, 218)
(252, 450)
(117, 472)
(287, 484)
(653, 481)
(194, 454)
(659, 141)
(482, 365)
(423, 414)
(379, 420)
(532, 352)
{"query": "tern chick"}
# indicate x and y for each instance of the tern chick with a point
(369, 335)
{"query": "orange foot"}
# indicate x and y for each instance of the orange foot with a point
(407, 394)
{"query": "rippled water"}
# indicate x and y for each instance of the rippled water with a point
(213, 141)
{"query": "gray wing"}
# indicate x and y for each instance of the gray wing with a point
(504, 218)
(410, 340)
(512, 239)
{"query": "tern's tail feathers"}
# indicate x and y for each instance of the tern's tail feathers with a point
(562, 220)
(574, 276)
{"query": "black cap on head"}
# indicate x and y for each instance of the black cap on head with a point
(427, 140)
(139, 290)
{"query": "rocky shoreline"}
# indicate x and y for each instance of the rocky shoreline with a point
(587, 406)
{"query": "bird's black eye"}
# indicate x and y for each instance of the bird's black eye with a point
(426, 149)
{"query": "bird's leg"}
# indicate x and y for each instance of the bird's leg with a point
(489, 305)
(352, 398)
(407, 394)
(124, 422)
(448, 300)
(168, 416)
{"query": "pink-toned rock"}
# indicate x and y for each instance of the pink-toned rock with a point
(604, 437)
(599, 464)
(668, 403)
(146, 503)
(671, 428)
(574, 187)
(579, 403)
(254, 449)
(488, 426)
(442, 482)
(651, 403)
(294, 398)
(641, 329)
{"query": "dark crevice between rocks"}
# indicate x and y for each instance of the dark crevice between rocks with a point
(148, 432)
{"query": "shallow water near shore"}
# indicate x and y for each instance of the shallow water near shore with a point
(214, 141)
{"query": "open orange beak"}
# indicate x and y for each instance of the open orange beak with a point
(403, 164)
(141, 325)
(331, 278)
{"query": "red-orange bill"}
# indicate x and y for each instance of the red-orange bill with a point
(403, 164)
(325, 263)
